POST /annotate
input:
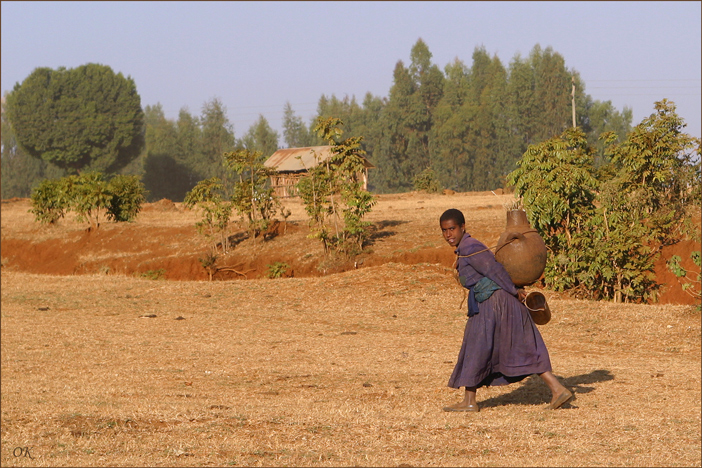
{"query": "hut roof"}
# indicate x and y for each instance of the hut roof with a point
(286, 160)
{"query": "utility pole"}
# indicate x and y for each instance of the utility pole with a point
(572, 94)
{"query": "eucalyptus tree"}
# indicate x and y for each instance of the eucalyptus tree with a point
(449, 150)
(407, 120)
(217, 138)
(261, 137)
(295, 132)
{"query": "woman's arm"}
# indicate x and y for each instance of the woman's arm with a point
(486, 265)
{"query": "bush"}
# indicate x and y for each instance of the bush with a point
(333, 193)
(128, 194)
(154, 274)
(50, 201)
(88, 195)
(689, 280)
(277, 270)
(426, 181)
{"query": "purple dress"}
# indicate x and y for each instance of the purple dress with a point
(501, 343)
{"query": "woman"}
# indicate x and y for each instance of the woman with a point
(501, 343)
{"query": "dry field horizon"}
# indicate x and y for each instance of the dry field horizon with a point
(102, 366)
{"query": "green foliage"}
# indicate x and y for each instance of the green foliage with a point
(128, 194)
(277, 270)
(87, 118)
(333, 193)
(556, 182)
(690, 284)
(209, 263)
(295, 133)
(605, 233)
(469, 123)
(261, 137)
(169, 166)
(253, 197)
(208, 198)
(89, 197)
(20, 172)
(50, 201)
(154, 274)
(426, 181)
(658, 172)
(217, 138)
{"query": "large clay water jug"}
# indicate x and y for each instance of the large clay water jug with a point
(521, 250)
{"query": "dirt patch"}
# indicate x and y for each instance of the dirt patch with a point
(164, 244)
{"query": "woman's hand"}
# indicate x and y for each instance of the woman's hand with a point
(521, 295)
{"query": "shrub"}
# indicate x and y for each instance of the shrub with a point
(253, 197)
(128, 194)
(277, 269)
(50, 201)
(333, 193)
(154, 274)
(426, 181)
(89, 197)
(214, 226)
(690, 284)
(605, 228)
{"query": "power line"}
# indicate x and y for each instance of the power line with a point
(645, 87)
(682, 79)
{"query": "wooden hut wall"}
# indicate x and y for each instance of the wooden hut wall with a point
(284, 185)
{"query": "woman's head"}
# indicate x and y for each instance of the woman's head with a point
(453, 214)
(453, 226)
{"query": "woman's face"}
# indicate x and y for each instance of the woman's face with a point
(452, 232)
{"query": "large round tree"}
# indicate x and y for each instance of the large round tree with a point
(85, 118)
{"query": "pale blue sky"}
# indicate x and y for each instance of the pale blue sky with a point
(255, 56)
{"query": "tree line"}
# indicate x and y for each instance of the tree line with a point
(465, 126)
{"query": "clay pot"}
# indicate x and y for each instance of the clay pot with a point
(521, 250)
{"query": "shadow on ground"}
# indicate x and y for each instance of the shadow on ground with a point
(535, 392)
(378, 230)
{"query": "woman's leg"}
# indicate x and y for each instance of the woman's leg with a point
(469, 402)
(559, 394)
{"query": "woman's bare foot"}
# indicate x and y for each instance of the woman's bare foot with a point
(462, 406)
(560, 399)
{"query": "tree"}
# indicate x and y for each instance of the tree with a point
(658, 172)
(406, 121)
(207, 196)
(451, 154)
(261, 137)
(333, 195)
(217, 139)
(87, 118)
(597, 118)
(605, 234)
(253, 197)
(552, 87)
(20, 172)
(295, 132)
(488, 130)
(189, 144)
(165, 171)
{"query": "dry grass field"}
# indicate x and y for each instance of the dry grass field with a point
(104, 367)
